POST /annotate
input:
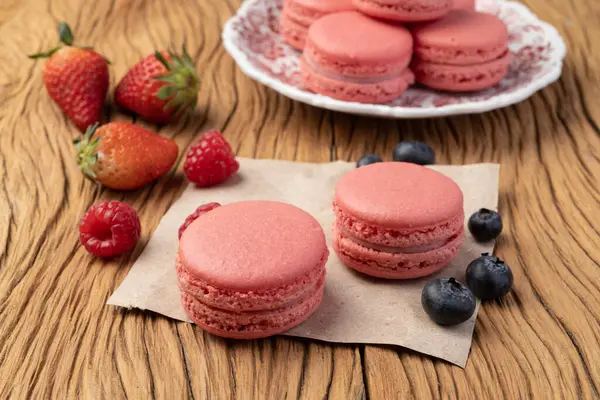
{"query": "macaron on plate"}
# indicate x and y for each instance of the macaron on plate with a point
(530, 58)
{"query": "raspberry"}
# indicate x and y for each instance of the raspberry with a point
(109, 228)
(210, 160)
(203, 209)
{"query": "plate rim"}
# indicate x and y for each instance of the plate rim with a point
(399, 112)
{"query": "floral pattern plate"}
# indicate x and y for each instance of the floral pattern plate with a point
(252, 38)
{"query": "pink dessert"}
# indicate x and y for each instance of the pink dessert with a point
(464, 51)
(351, 57)
(251, 269)
(464, 4)
(404, 10)
(292, 31)
(397, 220)
(298, 15)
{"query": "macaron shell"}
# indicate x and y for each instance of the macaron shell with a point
(462, 78)
(394, 265)
(462, 37)
(252, 245)
(463, 4)
(340, 89)
(404, 10)
(353, 38)
(352, 69)
(256, 325)
(292, 32)
(308, 11)
(399, 196)
(407, 237)
(255, 300)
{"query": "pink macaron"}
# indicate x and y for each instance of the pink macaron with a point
(298, 15)
(351, 57)
(464, 4)
(404, 10)
(251, 269)
(397, 220)
(464, 51)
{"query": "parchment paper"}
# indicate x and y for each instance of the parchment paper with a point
(355, 308)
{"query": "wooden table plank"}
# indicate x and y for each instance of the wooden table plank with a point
(58, 339)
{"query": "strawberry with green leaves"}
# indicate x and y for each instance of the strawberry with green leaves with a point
(124, 156)
(160, 88)
(76, 78)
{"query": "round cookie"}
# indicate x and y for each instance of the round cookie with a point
(397, 220)
(251, 269)
(464, 51)
(351, 57)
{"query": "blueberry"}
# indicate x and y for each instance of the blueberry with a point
(485, 225)
(489, 277)
(413, 151)
(447, 301)
(368, 159)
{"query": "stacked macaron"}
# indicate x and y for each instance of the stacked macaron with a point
(463, 51)
(362, 55)
(397, 220)
(298, 15)
(251, 269)
(352, 57)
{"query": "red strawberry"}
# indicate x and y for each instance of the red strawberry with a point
(203, 209)
(109, 228)
(160, 88)
(124, 156)
(210, 160)
(76, 79)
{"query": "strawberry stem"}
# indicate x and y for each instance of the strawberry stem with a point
(45, 54)
(162, 60)
(86, 151)
(66, 37)
(181, 82)
(64, 33)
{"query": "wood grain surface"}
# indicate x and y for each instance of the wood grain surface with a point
(58, 339)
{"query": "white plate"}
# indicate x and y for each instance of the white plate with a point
(252, 39)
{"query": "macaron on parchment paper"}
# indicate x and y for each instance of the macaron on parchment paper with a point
(251, 269)
(397, 220)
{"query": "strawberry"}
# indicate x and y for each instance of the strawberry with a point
(124, 156)
(76, 79)
(160, 88)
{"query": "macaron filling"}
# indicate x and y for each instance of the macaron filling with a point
(255, 300)
(353, 68)
(219, 320)
(394, 265)
(465, 77)
(350, 79)
(395, 250)
(412, 6)
(397, 237)
(459, 56)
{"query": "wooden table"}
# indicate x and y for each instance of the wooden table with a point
(58, 338)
